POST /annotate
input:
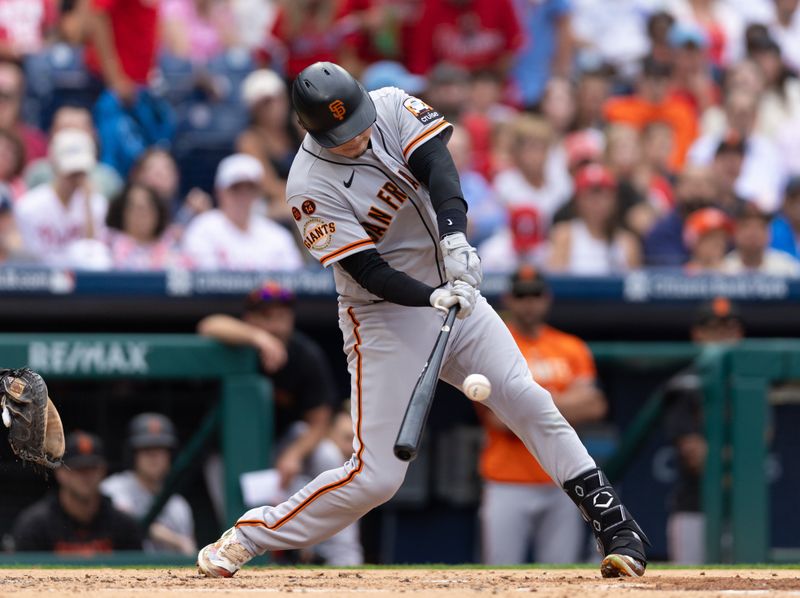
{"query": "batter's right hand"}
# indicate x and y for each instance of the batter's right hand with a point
(455, 293)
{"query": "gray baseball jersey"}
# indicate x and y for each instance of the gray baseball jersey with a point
(131, 497)
(343, 206)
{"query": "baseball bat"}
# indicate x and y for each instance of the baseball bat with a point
(410, 434)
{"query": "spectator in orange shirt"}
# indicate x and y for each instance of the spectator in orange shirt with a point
(652, 102)
(522, 508)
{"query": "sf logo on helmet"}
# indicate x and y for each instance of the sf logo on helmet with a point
(337, 109)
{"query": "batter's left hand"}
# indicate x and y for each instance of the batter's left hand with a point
(461, 261)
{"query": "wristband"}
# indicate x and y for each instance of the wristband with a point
(451, 220)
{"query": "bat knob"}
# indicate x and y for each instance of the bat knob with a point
(404, 453)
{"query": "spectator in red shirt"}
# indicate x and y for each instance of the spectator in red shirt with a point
(305, 32)
(12, 85)
(475, 34)
(124, 35)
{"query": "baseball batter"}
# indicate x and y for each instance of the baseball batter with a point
(377, 198)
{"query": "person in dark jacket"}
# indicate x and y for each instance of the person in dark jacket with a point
(717, 321)
(77, 518)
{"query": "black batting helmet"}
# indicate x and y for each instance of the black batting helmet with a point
(331, 104)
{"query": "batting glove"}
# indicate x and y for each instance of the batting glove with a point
(457, 293)
(461, 261)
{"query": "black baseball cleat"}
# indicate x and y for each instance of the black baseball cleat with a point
(619, 538)
(621, 565)
(625, 556)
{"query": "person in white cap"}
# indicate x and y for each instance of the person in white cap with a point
(234, 236)
(54, 216)
(270, 137)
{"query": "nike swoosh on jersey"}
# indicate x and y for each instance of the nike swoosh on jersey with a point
(449, 222)
(349, 181)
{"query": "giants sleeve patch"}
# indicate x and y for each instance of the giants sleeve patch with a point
(318, 234)
(421, 111)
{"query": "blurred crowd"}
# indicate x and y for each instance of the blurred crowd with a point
(592, 137)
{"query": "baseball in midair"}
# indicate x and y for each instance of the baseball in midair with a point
(477, 387)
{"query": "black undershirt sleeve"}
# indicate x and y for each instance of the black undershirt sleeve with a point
(372, 272)
(432, 164)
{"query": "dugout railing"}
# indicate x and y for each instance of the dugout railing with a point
(740, 384)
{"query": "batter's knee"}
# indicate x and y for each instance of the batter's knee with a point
(380, 486)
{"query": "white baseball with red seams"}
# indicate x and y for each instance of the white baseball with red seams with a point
(477, 387)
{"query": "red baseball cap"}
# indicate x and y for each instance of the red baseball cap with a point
(594, 176)
(704, 221)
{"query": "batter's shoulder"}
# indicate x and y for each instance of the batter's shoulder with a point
(388, 96)
(309, 175)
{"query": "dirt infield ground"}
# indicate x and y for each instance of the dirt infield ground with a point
(434, 583)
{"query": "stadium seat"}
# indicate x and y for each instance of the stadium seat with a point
(177, 79)
(55, 77)
(206, 133)
(228, 70)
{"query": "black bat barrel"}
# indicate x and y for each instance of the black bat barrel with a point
(410, 434)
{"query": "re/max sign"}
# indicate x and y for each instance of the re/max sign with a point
(67, 357)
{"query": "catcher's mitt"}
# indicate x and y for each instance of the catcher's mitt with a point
(36, 432)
